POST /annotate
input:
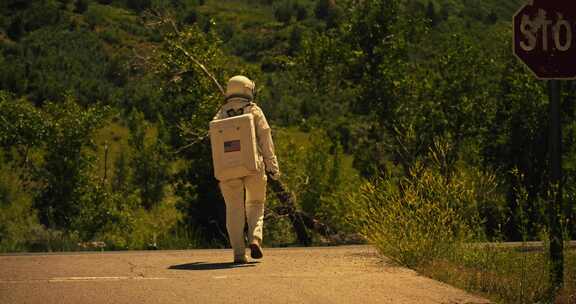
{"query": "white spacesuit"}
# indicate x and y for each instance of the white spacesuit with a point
(245, 195)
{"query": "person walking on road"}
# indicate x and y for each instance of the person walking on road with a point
(245, 196)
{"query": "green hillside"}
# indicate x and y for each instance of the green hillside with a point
(262, 34)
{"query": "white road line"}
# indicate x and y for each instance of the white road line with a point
(80, 279)
(220, 277)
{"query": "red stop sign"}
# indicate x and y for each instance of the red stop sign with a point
(545, 38)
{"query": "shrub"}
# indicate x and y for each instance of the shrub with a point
(301, 11)
(425, 215)
(139, 228)
(81, 6)
(316, 169)
(18, 219)
(284, 11)
(149, 162)
(139, 5)
(328, 11)
(65, 172)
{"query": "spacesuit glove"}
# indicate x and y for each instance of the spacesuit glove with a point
(273, 175)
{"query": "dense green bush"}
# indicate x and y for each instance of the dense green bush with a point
(81, 6)
(250, 46)
(64, 174)
(122, 222)
(320, 174)
(149, 161)
(61, 61)
(139, 5)
(284, 11)
(426, 215)
(51, 198)
(28, 17)
(18, 218)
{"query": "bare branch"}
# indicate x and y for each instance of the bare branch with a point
(163, 19)
(203, 68)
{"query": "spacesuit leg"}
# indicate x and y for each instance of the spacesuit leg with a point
(233, 192)
(255, 199)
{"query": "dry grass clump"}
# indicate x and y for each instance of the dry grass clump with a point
(424, 216)
(433, 221)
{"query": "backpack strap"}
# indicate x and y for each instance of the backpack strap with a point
(240, 111)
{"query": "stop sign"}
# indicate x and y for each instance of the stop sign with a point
(545, 38)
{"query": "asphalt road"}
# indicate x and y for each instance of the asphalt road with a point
(351, 274)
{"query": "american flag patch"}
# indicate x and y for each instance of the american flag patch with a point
(231, 146)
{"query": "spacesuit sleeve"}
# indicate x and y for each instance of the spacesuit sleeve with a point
(264, 135)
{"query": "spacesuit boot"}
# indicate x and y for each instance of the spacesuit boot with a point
(255, 199)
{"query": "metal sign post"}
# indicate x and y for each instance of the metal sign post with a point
(555, 207)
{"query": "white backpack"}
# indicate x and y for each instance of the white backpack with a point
(234, 152)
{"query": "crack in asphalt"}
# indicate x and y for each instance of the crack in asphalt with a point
(133, 270)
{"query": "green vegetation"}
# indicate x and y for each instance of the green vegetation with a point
(437, 225)
(408, 121)
(504, 275)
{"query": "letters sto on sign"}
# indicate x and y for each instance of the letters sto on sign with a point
(545, 38)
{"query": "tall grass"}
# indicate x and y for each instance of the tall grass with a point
(505, 275)
(425, 215)
(432, 220)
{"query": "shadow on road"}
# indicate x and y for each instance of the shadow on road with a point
(211, 266)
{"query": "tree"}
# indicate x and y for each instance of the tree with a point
(301, 11)
(431, 14)
(139, 5)
(295, 39)
(22, 126)
(323, 8)
(284, 11)
(121, 175)
(65, 172)
(329, 11)
(81, 6)
(516, 141)
(16, 28)
(149, 162)
(66, 61)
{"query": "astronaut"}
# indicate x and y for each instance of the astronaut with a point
(245, 196)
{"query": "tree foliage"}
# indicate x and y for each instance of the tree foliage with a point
(359, 89)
